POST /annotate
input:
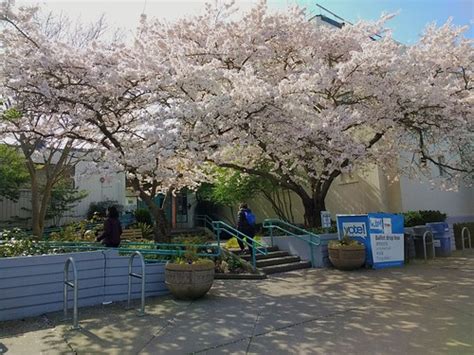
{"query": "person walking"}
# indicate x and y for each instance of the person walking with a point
(110, 237)
(246, 225)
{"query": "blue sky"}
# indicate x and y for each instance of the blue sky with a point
(407, 26)
(413, 14)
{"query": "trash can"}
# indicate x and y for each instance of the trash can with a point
(442, 238)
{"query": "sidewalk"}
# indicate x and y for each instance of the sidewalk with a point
(419, 309)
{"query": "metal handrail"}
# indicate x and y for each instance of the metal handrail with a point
(468, 237)
(273, 224)
(141, 276)
(424, 244)
(74, 285)
(254, 245)
(206, 219)
(179, 248)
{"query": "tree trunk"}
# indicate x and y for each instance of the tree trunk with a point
(36, 224)
(161, 228)
(312, 210)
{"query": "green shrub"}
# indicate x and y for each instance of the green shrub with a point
(142, 215)
(147, 230)
(346, 242)
(321, 230)
(418, 218)
(14, 233)
(458, 227)
(21, 247)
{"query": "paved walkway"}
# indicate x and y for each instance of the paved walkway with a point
(420, 309)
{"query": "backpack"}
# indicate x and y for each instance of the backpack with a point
(250, 217)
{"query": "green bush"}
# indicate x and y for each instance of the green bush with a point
(147, 230)
(419, 218)
(21, 247)
(142, 215)
(321, 230)
(458, 227)
(14, 233)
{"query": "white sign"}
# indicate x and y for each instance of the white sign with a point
(326, 219)
(387, 246)
(354, 229)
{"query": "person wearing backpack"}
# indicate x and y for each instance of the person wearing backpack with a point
(246, 225)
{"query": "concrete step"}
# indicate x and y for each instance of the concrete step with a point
(286, 267)
(270, 255)
(278, 261)
(270, 249)
(237, 251)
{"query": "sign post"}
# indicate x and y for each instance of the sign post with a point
(325, 219)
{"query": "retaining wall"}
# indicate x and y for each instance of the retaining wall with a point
(33, 285)
(300, 247)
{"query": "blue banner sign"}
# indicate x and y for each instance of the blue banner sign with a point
(381, 233)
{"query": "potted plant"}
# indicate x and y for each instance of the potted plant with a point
(189, 277)
(346, 254)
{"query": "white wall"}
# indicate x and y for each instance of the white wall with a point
(417, 195)
(112, 188)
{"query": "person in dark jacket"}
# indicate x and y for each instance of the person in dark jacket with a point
(245, 227)
(110, 237)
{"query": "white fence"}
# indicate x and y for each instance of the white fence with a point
(18, 214)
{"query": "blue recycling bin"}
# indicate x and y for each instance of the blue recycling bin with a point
(442, 239)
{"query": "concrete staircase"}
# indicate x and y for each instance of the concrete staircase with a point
(277, 261)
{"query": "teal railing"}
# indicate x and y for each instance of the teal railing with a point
(256, 246)
(148, 249)
(292, 230)
(205, 221)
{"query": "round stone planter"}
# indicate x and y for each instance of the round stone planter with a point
(189, 281)
(347, 257)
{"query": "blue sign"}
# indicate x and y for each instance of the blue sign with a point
(381, 233)
(386, 239)
(356, 226)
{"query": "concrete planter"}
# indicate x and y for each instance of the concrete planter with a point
(189, 281)
(33, 285)
(347, 257)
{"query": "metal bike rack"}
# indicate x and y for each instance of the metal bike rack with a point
(465, 229)
(138, 276)
(424, 244)
(74, 285)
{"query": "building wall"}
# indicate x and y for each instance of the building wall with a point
(373, 191)
(416, 195)
(111, 187)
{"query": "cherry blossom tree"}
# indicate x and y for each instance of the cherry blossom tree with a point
(315, 101)
(110, 97)
(256, 89)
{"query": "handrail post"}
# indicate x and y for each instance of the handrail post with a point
(311, 250)
(271, 233)
(141, 276)
(254, 257)
(74, 285)
(465, 229)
